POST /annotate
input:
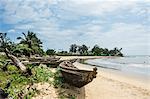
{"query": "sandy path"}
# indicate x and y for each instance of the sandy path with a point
(107, 85)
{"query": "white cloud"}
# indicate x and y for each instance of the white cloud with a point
(131, 37)
(96, 7)
(62, 22)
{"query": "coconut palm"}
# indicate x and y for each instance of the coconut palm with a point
(73, 48)
(5, 42)
(30, 39)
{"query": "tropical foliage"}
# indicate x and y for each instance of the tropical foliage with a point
(30, 43)
(96, 50)
(73, 48)
(50, 52)
(5, 42)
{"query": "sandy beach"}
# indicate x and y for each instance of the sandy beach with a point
(111, 84)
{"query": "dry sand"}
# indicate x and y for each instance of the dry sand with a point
(115, 85)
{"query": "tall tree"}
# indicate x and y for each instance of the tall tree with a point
(73, 48)
(116, 52)
(96, 50)
(5, 42)
(32, 41)
(5, 45)
(50, 52)
(83, 49)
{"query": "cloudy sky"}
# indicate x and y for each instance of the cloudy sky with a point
(60, 23)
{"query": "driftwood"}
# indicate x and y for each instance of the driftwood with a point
(16, 61)
(75, 76)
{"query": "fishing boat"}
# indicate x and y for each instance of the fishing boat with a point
(50, 61)
(43, 59)
(76, 77)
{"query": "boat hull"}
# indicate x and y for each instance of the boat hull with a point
(76, 77)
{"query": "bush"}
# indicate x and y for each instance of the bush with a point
(12, 68)
(15, 84)
(58, 80)
(18, 82)
(41, 74)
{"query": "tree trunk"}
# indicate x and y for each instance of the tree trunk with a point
(16, 61)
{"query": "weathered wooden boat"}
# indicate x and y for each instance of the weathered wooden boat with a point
(50, 61)
(52, 64)
(43, 59)
(76, 77)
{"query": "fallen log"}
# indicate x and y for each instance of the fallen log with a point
(16, 61)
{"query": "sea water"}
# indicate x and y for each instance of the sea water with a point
(129, 64)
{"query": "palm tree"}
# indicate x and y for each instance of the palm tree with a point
(85, 49)
(73, 48)
(5, 44)
(30, 39)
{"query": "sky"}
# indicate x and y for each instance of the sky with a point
(60, 23)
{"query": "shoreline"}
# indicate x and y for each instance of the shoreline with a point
(112, 84)
(135, 80)
(111, 73)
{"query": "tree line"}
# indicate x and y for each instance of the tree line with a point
(96, 51)
(29, 44)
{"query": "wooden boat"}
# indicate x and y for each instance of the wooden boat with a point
(53, 64)
(76, 77)
(50, 61)
(43, 59)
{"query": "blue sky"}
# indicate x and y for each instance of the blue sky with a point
(60, 23)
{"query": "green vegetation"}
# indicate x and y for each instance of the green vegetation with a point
(5, 42)
(30, 44)
(95, 51)
(15, 83)
(50, 52)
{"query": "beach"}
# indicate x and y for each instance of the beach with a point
(111, 84)
(108, 84)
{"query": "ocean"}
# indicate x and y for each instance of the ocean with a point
(129, 64)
